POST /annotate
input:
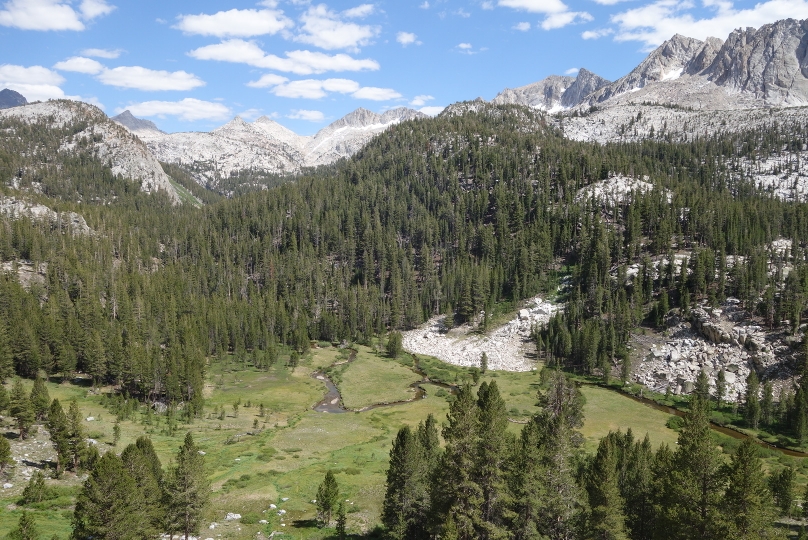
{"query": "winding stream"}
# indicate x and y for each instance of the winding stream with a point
(332, 401)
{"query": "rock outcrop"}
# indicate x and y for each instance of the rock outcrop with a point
(10, 98)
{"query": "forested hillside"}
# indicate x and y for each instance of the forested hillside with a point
(472, 211)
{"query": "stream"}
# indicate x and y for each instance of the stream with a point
(332, 401)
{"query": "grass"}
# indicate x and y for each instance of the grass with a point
(370, 379)
(288, 453)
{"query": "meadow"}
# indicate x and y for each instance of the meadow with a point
(280, 457)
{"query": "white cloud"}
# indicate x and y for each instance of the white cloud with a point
(310, 116)
(653, 23)
(270, 79)
(250, 114)
(431, 111)
(235, 23)
(36, 83)
(314, 88)
(102, 53)
(464, 46)
(142, 78)
(359, 12)
(610, 2)
(535, 6)
(376, 94)
(51, 14)
(188, 109)
(572, 71)
(299, 62)
(462, 13)
(326, 29)
(425, 5)
(487, 5)
(79, 64)
(560, 20)
(90, 9)
(522, 26)
(597, 34)
(418, 101)
(407, 38)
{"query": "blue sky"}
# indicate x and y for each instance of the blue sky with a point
(193, 65)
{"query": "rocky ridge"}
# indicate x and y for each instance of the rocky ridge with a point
(69, 221)
(10, 98)
(127, 155)
(554, 93)
(265, 145)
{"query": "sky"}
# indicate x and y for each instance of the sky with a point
(192, 65)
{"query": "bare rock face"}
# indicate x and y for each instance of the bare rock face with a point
(128, 120)
(770, 63)
(585, 83)
(10, 98)
(545, 94)
(665, 63)
(705, 56)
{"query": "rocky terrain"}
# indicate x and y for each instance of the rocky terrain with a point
(616, 189)
(553, 94)
(508, 347)
(713, 339)
(68, 221)
(10, 98)
(263, 145)
(127, 155)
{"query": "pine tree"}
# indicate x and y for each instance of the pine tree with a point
(493, 448)
(407, 494)
(781, 485)
(26, 528)
(483, 363)
(36, 490)
(75, 435)
(752, 407)
(60, 435)
(110, 505)
(767, 404)
(4, 399)
(341, 521)
(142, 463)
(40, 400)
(187, 490)
(748, 508)
(5, 454)
(721, 387)
(394, 347)
(327, 497)
(607, 519)
(21, 409)
(6, 355)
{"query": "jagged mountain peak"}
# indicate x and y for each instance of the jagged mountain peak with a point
(132, 123)
(10, 98)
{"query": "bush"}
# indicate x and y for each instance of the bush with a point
(250, 518)
(675, 423)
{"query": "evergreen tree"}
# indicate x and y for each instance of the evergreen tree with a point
(748, 509)
(5, 454)
(341, 521)
(493, 450)
(40, 399)
(327, 498)
(721, 387)
(6, 355)
(26, 528)
(752, 406)
(21, 409)
(767, 404)
(394, 347)
(4, 399)
(36, 490)
(406, 502)
(75, 435)
(187, 490)
(781, 485)
(110, 505)
(142, 463)
(59, 430)
(607, 519)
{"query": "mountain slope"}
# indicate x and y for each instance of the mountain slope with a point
(266, 146)
(553, 93)
(90, 129)
(10, 98)
(127, 120)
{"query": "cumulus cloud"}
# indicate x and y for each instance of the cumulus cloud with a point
(47, 15)
(431, 111)
(572, 71)
(299, 62)
(235, 23)
(376, 94)
(314, 88)
(327, 29)
(188, 109)
(102, 53)
(418, 101)
(79, 64)
(464, 46)
(310, 116)
(557, 13)
(597, 34)
(36, 83)
(359, 12)
(522, 26)
(270, 79)
(653, 23)
(141, 78)
(407, 38)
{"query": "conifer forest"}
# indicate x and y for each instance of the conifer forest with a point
(153, 319)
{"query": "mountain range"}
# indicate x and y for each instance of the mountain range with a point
(685, 87)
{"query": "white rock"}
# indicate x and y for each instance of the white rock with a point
(90, 418)
(8, 486)
(232, 516)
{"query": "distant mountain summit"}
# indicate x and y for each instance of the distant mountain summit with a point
(10, 98)
(554, 93)
(127, 120)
